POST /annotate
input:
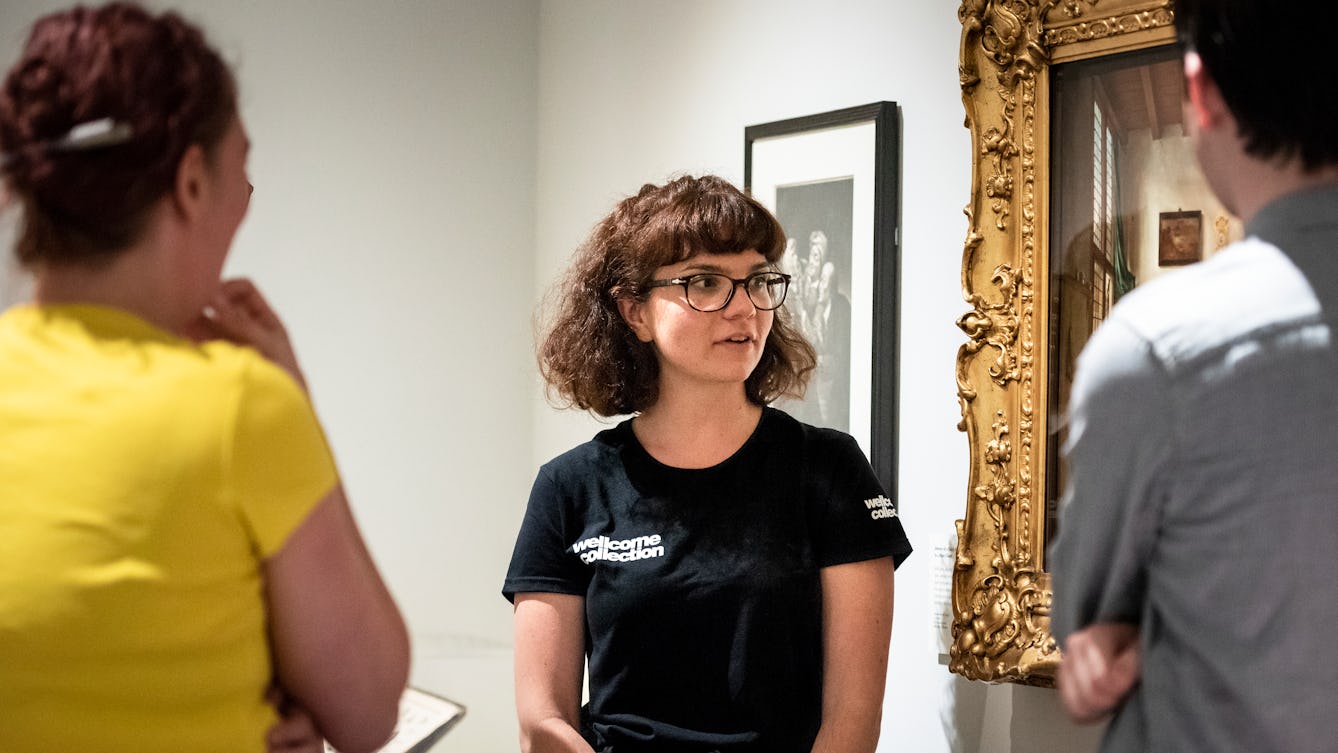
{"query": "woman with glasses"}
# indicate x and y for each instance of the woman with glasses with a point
(176, 553)
(726, 570)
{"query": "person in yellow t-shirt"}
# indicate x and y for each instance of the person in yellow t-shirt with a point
(177, 557)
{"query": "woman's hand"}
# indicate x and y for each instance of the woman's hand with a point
(295, 732)
(239, 314)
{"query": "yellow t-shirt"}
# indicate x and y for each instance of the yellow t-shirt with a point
(143, 481)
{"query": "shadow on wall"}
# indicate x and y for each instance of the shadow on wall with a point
(1040, 726)
(15, 284)
(964, 712)
(983, 718)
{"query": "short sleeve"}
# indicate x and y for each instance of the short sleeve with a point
(853, 518)
(540, 561)
(280, 464)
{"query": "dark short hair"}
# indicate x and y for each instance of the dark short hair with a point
(155, 77)
(1269, 59)
(589, 356)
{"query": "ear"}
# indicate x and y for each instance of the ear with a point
(634, 313)
(188, 192)
(1206, 106)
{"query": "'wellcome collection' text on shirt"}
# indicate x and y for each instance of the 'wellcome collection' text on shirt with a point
(618, 550)
(880, 507)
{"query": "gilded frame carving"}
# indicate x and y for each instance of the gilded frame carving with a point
(1000, 589)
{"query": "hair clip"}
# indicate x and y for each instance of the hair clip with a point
(94, 134)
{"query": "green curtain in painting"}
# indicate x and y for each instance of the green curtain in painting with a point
(1124, 277)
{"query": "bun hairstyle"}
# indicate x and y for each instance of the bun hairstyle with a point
(95, 117)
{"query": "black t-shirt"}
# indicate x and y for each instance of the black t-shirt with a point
(703, 607)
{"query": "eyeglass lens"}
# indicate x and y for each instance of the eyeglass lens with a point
(711, 292)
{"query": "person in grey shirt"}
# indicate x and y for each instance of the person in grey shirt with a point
(1194, 571)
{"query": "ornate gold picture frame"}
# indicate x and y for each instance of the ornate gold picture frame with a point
(1001, 591)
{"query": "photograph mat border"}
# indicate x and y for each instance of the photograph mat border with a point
(880, 441)
(819, 157)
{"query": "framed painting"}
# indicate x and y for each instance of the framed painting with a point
(832, 180)
(1074, 113)
(1179, 238)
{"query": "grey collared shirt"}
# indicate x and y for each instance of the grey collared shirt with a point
(1202, 496)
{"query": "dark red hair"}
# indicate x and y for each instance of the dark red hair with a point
(154, 77)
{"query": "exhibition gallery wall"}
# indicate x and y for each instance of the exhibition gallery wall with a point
(423, 170)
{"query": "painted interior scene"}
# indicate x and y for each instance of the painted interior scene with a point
(1128, 204)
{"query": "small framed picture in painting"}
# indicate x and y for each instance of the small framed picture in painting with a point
(1180, 240)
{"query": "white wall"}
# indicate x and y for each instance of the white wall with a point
(422, 172)
(393, 227)
(632, 91)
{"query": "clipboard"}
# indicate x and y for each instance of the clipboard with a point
(424, 718)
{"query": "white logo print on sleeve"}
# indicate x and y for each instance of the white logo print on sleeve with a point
(880, 507)
(618, 550)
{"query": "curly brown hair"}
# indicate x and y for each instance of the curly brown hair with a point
(589, 356)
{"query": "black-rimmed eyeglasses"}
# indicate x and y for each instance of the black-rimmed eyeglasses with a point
(709, 291)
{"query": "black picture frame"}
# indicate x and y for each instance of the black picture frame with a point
(788, 161)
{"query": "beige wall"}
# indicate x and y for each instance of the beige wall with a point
(424, 169)
(393, 226)
(1165, 178)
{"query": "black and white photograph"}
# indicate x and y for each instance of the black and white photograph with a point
(817, 218)
(832, 181)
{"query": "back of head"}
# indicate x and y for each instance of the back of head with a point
(94, 119)
(1268, 60)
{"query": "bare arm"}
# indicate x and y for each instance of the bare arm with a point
(1101, 665)
(856, 632)
(550, 663)
(341, 648)
(340, 645)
